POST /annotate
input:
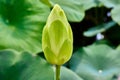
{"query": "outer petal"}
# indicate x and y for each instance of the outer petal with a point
(65, 52)
(45, 38)
(50, 56)
(57, 35)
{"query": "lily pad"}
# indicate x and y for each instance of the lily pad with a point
(99, 29)
(21, 24)
(110, 3)
(90, 4)
(115, 14)
(118, 48)
(67, 74)
(73, 9)
(96, 62)
(47, 2)
(24, 66)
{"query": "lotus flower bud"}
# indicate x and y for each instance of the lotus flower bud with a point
(57, 38)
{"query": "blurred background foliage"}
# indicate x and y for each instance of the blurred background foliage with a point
(96, 29)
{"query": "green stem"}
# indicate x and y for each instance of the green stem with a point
(58, 72)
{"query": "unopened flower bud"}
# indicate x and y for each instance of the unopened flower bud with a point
(57, 38)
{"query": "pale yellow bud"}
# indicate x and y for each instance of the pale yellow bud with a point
(57, 38)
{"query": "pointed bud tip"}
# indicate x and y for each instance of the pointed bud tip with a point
(57, 8)
(57, 13)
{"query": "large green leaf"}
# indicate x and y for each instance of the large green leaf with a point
(21, 24)
(110, 3)
(47, 2)
(115, 14)
(99, 29)
(96, 62)
(67, 74)
(118, 48)
(90, 4)
(73, 9)
(23, 66)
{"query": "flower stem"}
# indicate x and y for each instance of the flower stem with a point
(58, 72)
